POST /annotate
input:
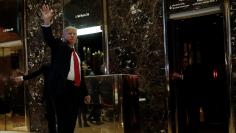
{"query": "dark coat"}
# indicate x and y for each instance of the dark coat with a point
(60, 63)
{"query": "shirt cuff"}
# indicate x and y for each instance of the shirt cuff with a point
(46, 25)
(21, 78)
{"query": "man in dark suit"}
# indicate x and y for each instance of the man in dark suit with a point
(66, 77)
(188, 82)
(50, 112)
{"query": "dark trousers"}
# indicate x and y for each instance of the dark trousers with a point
(67, 106)
(82, 114)
(50, 115)
(95, 113)
(188, 107)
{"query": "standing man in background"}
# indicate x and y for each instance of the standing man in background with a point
(66, 77)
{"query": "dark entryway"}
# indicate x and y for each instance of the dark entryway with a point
(91, 52)
(199, 98)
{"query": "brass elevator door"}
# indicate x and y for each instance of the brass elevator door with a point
(199, 96)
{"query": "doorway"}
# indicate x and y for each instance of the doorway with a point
(13, 116)
(91, 52)
(199, 99)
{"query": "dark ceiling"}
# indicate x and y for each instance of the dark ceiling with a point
(10, 23)
(8, 12)
(92, 9)
(11, 13)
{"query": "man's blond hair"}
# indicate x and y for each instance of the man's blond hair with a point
(66, 29)
(69, 27)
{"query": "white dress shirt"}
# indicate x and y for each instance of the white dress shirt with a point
(71, 75)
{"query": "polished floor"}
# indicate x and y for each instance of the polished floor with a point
(106, 127)
(10, 124)
(16, 124)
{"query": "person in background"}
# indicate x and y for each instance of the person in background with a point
(5, 108)
(50, 111)
(188, 83)
(66, 78)
(96, 111)
(82, 115)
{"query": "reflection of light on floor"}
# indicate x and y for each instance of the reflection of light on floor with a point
(107, 127)
(16, 124)
(10, 122)
(13, 132)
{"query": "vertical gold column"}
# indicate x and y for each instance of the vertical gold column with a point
(105, 35)
(228, 54)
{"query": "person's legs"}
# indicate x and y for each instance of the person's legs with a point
(194, 117)
(84, 115)
(50, 115)
(79, 117)
(182, 114)
(92, 113)
(59, 106)
(67, 109)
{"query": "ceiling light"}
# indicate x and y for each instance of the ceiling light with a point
(89, 30)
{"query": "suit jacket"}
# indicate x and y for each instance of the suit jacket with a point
(44, 69)
(60, 63)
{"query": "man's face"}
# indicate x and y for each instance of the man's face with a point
(70, 36)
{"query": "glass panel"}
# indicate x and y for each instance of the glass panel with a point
(12, 111)
(12, 63)
(115, 104)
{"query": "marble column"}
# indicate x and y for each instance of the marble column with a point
(233, 59)
(37, 54)
(135, 42)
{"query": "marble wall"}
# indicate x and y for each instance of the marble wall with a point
(233, 46)
(135, 47)
(37, 54)
(135, 35)
(135, 41)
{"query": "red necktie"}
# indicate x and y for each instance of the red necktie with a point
(76, 68)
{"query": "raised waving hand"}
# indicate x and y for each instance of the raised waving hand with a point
(47, 14)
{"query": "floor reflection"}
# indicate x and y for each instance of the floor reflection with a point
(12, 123)
(106, 127)
(17, 124)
